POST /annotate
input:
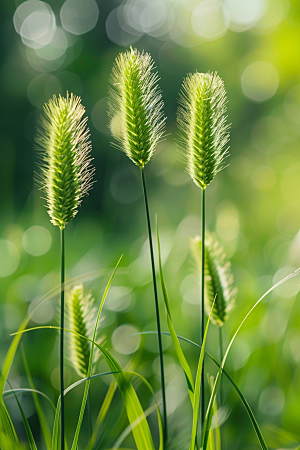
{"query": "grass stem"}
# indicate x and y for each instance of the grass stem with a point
(221, 384)
(61, 362)
(202, 303)
(163, 388)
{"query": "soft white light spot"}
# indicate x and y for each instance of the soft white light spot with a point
(260, 81)
(244, 14)
(119, 298)
(79, 16)
(9, 259)
(36, 241)
(123, 342)
(210, 19)
(118, 30)
(35, 22)
(190, 289)
(264, 178)
(56, 48)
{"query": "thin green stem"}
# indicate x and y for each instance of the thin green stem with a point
(61, 361)
(163, 388)
(202, 303)
(221, 384)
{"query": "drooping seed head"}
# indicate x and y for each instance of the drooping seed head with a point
(218, 278)
(135, 106)
(203, 132)
(65, 162)
(80, 313)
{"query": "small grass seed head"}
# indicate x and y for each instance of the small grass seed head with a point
(135, 106)
(203, 132)
(66, 171)
(80, 316)
(218, 278)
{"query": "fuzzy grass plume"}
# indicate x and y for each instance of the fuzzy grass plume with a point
(218, 278)
(65, 162)
(203, 132)
(135, 106)
(80, 314)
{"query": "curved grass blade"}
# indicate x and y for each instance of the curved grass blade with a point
(141, 433)
(208, 417)
(42, 418)
(55, 431)
(29, 434)
(102, 414)
(27, 390)
(8, 427)
(86, 389)
(180, 355)
(241, 396)
(196, 404)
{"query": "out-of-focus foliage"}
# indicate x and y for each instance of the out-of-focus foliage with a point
(253, 206)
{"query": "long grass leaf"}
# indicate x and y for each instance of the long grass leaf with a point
(102, 414)
(42, 418)
(208, 417)
(196, 405)
(141, 433)
(180, 355)
(7, 424)
(86, 390)
(30, 391)
(29, 434)
(55, 431)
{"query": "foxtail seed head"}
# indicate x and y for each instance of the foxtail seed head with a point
(80, 313)
(135, 106)
(203, 133)
(218, 278)
(65, 162)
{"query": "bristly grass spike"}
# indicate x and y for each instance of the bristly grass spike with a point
(65, 163)
(135, 106)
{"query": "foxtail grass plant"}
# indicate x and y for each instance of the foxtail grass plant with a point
(65, 177)
(219, 288)
(203, 139)
(137, 122)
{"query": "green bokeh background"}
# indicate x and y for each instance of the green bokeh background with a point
(253, 206)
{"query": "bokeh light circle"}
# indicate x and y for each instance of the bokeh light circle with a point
(210, 19)
(79, 16)
(36, 240)
(260, 81)
(123, 342)
(10, 258)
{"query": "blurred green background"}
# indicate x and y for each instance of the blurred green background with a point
(253, 205)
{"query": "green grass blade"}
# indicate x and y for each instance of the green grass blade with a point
(7, 425)
(180, 355)
(30, 391)
(86, 390)
(29, 434)
(55, 431)
(141, 433)
(42, 418)
(102, 414)
(208, 417)
(196, 405)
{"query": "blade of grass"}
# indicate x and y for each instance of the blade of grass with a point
(198, 383)
(102, 414)
(84, 399)
(42, 418)
(241, 396)
(29, 434)
(208, 417)
(7, 424)
(180, 355)
(141, 433)
(27, 390)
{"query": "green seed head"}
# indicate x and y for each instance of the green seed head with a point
(65, 163)
(135, 106)
(218, 278)
(203, 133)
(79, 311)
